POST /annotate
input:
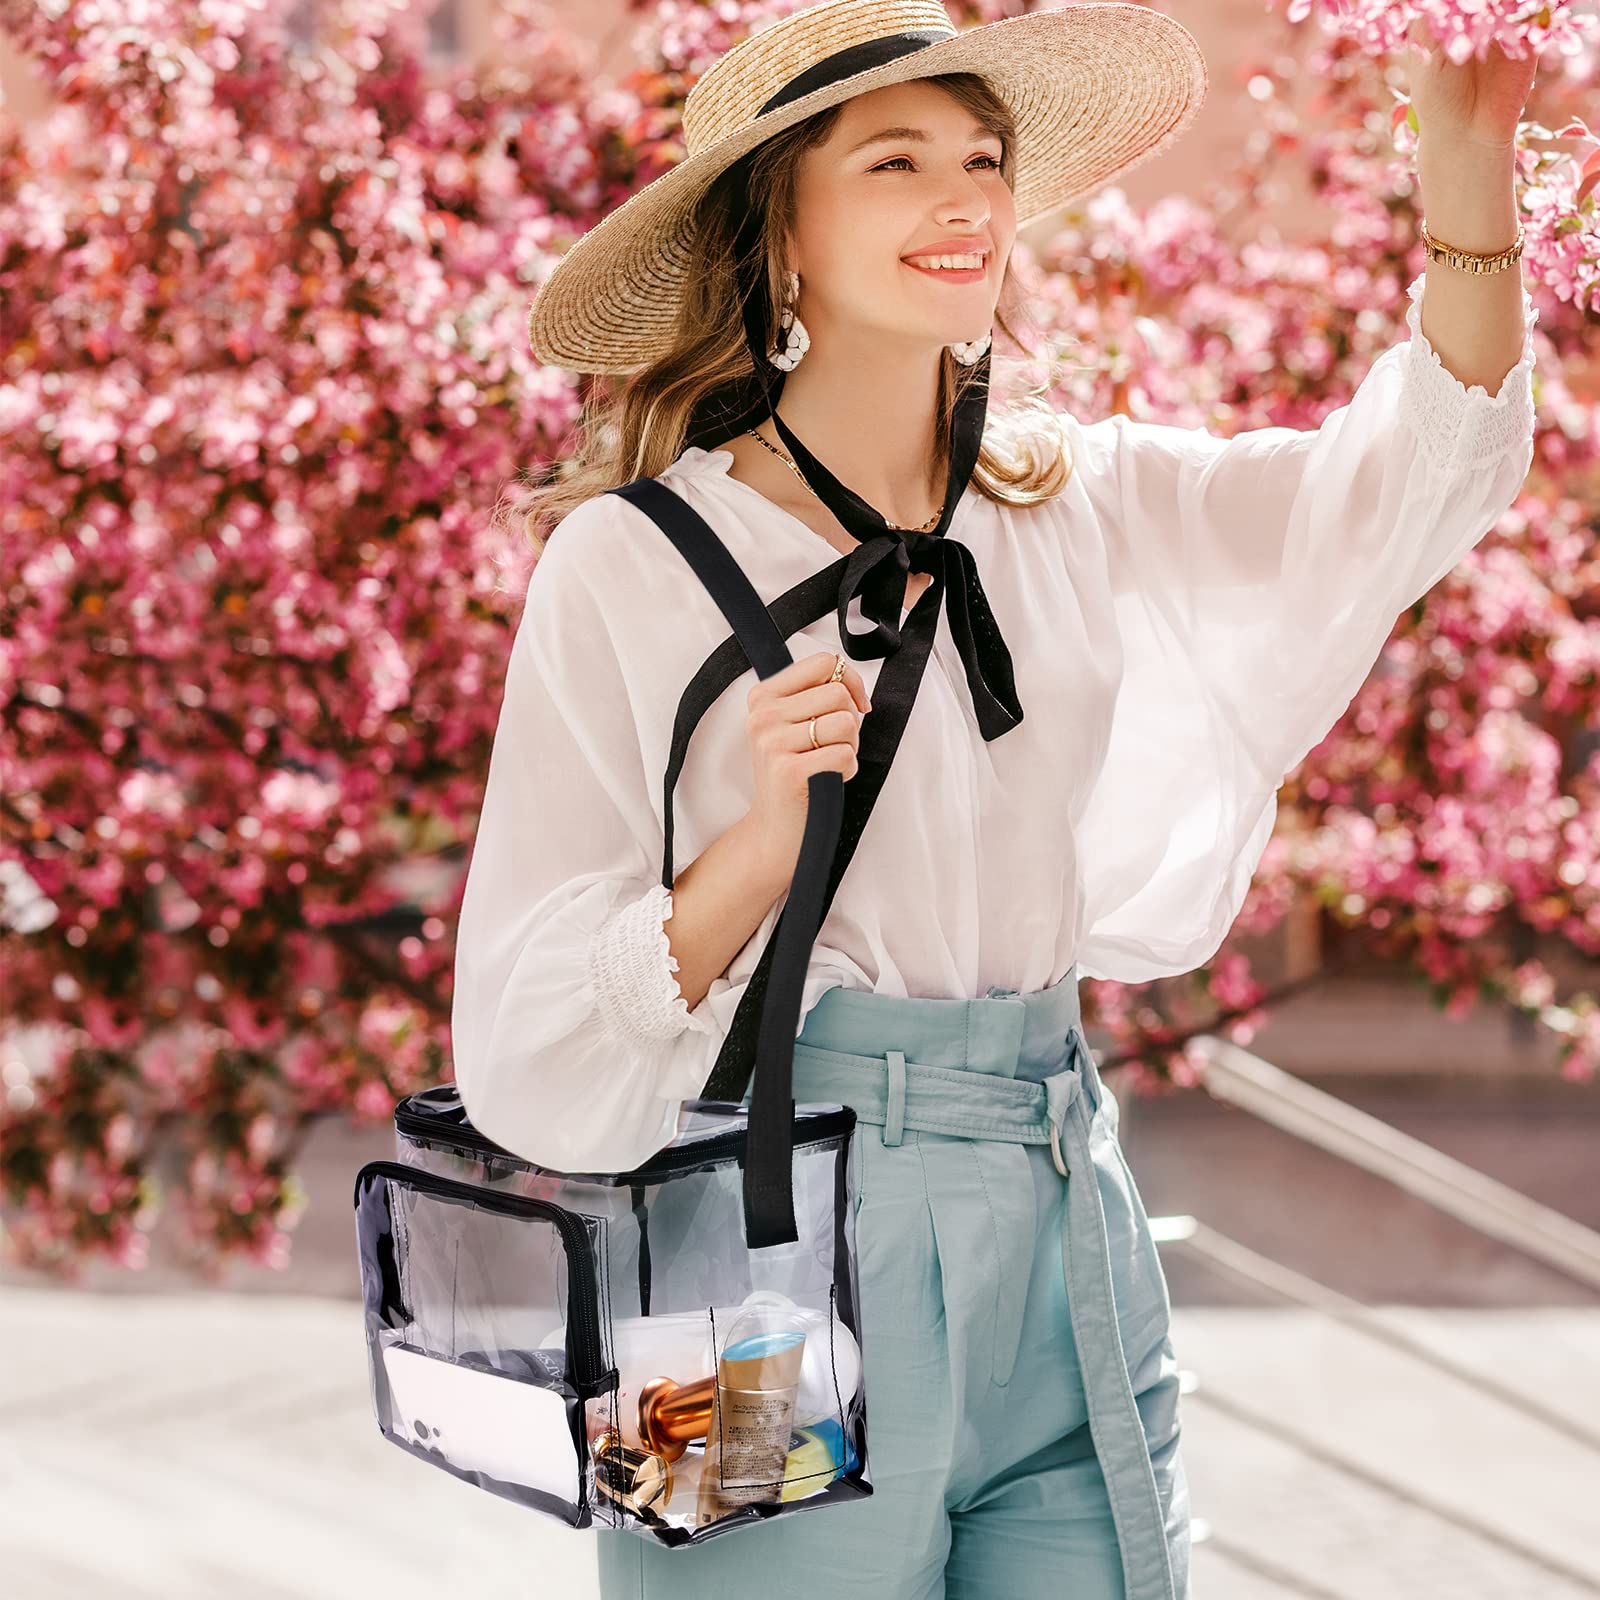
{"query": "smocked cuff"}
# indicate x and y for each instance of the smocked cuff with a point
(632, 965)
(1462, 428)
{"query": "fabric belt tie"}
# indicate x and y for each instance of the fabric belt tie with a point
(897, 1095)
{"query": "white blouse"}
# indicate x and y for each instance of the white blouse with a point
(1187, 620)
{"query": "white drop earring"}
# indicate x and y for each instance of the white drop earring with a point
(971, 353)
(798, 340)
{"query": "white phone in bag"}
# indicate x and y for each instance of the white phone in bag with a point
(483, 1421)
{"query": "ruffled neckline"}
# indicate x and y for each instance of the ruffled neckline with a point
(695, 459)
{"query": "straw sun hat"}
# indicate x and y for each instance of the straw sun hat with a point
(1096, 89)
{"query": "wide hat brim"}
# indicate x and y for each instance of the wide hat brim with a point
(1096, 89)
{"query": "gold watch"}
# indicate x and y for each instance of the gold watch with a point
(1468, 260)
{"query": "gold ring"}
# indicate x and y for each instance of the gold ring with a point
(814, 744)
(838, 669)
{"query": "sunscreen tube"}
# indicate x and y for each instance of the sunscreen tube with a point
(752, 1413)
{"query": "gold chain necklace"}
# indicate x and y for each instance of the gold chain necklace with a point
(926, 527)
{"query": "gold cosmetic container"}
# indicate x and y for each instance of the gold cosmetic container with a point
(753, 1408)
(636, 1479)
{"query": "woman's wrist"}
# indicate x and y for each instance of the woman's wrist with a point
(1469, 195)
(772, 861)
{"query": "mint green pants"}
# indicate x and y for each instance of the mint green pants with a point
(1022, 1391)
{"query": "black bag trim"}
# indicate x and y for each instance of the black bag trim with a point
(437, 1117)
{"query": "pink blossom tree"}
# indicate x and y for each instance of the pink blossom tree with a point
(263, 374)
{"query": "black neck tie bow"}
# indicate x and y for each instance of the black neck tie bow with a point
(876, 572)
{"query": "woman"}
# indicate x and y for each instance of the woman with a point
(1136, 631)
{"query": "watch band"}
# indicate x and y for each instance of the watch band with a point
(1469, 260)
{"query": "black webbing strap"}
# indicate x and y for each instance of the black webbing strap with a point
(641, 1217)
(892, 698)
(759, 1046)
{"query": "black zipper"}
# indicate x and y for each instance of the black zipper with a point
(811, 1130)
(583, 1312)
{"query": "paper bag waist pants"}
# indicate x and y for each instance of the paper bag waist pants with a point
(1022, 1390)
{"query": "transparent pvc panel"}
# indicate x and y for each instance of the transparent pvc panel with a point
(460, 1290)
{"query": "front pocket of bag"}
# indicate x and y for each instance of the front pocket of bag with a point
(462, 1287)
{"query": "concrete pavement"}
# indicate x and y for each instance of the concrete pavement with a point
(222, 1447)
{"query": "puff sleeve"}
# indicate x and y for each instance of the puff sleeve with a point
(1254, 581)
(573, 1045)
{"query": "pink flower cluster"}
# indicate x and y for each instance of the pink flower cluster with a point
(1465, 28)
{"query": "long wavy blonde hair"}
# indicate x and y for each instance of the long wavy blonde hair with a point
(641, 427)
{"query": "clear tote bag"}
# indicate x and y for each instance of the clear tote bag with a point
(675, 1350)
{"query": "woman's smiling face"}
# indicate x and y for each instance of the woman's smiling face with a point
(864, 207)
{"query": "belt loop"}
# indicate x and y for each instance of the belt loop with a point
(894, 1116)
(1093, 1084)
